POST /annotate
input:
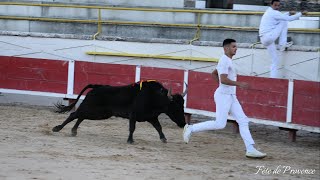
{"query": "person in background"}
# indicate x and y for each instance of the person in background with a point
(274, 25)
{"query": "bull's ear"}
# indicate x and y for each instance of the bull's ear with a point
(169, 93)
(186, 91)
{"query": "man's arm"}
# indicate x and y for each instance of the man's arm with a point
(286, 17)
(215, 75)
(304, 12)
(225, 80)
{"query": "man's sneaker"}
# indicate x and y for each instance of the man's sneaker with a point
(186, 133)
(284, 47)
(256, 154)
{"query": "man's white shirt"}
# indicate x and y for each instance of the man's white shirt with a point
(225, 66)
(271, 18)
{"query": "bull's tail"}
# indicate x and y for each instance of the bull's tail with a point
(60, 108)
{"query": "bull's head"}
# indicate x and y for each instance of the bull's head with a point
(164, 101)
(183, 94)
(176, 109)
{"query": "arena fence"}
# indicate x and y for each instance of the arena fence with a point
(287, 104)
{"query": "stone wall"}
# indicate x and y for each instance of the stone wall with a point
(189, 3)
(298, 5)
(286, 5)
(310, 5)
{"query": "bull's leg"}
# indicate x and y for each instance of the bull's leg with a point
(132, 127)
(75, 127)
(158, 127)
(71, 117)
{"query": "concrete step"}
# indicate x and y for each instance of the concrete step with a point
(250, 2)
(160, 23)
(178, 16)
(149, 31)
(132, 3)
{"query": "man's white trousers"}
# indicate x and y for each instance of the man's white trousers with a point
(226, 103)
(268, 40)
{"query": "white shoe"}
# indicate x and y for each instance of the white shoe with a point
(287, 45)
(256, 154)
(186, 133)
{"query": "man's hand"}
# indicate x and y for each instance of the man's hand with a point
(292, 13)
(243, 85)
(215, 75)
(304, 12)
(225, 80)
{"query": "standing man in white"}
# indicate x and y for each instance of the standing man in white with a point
(226, 101)
(274, 25)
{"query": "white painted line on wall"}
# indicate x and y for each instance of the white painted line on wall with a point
(138, 73)
(70, 77)
(185, 80)
(35, 93)
(258, 121)
(290, 101)
(74, 96)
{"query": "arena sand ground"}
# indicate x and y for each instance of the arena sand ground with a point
(30, 150)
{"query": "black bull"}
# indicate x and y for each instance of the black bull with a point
(136, 102)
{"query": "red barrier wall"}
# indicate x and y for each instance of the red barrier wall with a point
(265, 99)
(306, 103)
(261, 100)
(33, 74)
(200, 91)
(100, 73)
(168, 77)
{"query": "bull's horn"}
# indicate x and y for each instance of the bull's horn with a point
(186, 91)
(169, 93)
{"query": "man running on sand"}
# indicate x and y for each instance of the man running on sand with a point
(226, 101)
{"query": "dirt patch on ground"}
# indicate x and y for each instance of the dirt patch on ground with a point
(30, 150)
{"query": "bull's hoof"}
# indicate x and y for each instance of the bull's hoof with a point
(164, 140)
(57, 128)
(130, 141)
(73, 133)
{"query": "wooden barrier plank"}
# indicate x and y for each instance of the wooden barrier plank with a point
(262, 97)
(200, 91)
(266, 112)
(307, 88)
(265, 84)
(100, 73)
(266, 98)
(33, 74)
(4, 65)
(258, 101)
(306, 103)
(168, 77)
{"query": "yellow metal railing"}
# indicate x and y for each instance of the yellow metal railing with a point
(144, 9)
(147, 23)
(99, 21)
(130, 9)
(198, 33)
(184, 58)
(99, 25)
